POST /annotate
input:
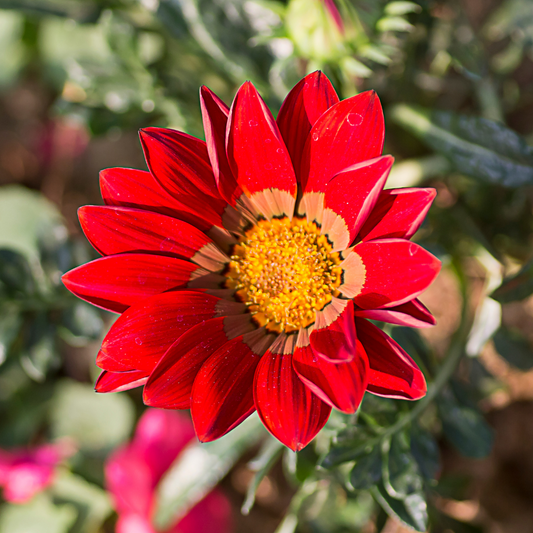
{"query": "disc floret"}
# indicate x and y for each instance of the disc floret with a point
(285, 271)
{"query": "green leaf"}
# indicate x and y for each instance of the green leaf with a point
(464, 427)
(24, 215)
(393, 24)
(514, 348)
(10, 323)
(381, 411)
(476, 146)
(402, 8)
(199, 468)
(92, 502)
(16, 278)
(81, 324)
(412, 511)
(425, 451)
(39, 352)
(367, 470)
(360, 442)
(37, 516)
(517, 287)
(262, 464)
(97, 422)
(401, 475)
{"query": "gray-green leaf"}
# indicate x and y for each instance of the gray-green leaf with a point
(477, 147)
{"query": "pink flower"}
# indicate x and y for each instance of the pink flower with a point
(24, 473)
(133, 471)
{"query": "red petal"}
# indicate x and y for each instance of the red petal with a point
(347, 133)
(413, 314)
(341, 385)
(114, 230)
(398, 213)
(142, 334)
(170, 383)
(180, 163)
(287, 408)
(119, 281)
(258, 156)
(215, 117)
(222, 393)
(350, 197)
(137, 188)
(308, 99)
(396, 271)
(392, 372)
(333, 337)
(120, 381)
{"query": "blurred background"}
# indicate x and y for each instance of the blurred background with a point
(78, 78)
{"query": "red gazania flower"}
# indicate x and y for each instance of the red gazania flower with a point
(246, 267)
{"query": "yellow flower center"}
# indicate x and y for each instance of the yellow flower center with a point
(284, 271)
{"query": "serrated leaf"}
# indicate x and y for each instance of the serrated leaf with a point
(199, 468)
(426, 452)
(367, 470)
(411, 511)
(477, 147)
(514, 348)
(516, 287)
(98, 422)
(464, 427)
(37, 516)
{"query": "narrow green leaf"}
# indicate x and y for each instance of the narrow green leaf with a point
(402, 8)
(425, 451)
(367, 470)
(516, 287)
(393, 24)
(476, 146)
(261, 465)
(412, 511)
(464, 427)
(199, 468)
(514, 348)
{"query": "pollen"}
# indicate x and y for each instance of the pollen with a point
(285, 271)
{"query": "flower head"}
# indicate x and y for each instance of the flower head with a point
(246, 267)
(133, 471)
